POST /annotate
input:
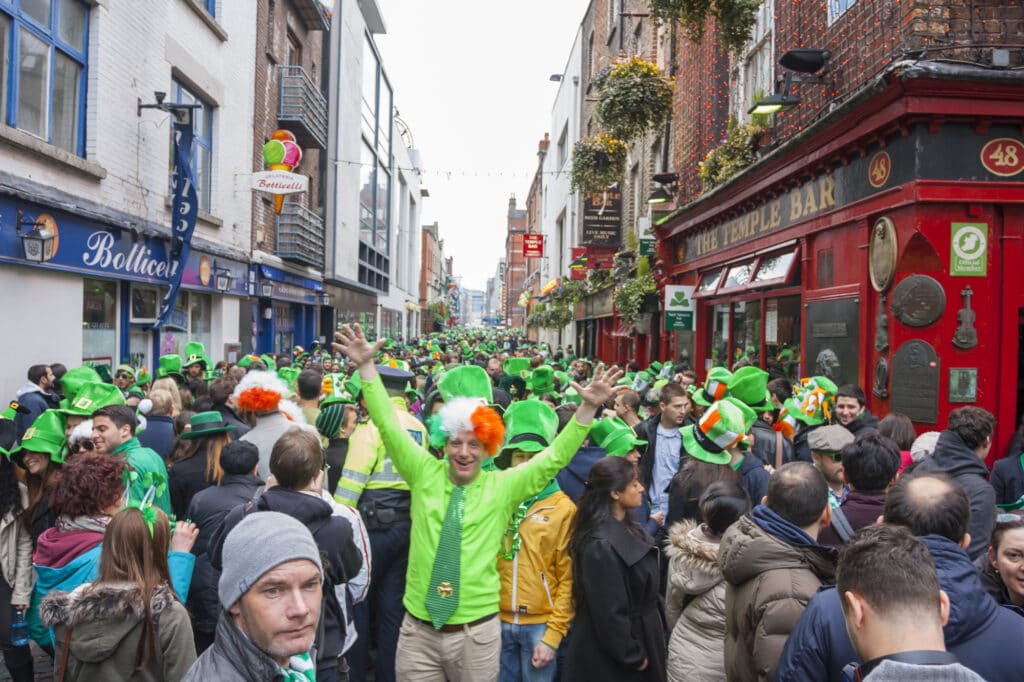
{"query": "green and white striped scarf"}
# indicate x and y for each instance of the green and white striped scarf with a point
(300, 669)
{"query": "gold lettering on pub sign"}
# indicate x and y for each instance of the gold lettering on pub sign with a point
(798, 204)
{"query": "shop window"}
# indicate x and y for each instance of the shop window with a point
(774, 269)
(99, 321)
(709, 282)
(720, 335)
(738, 276)
(826, 268)
(284, 327)
(42, 69)
(782, 337)
(199, 314)
(746, 324)
(202, 142)
(837, 8)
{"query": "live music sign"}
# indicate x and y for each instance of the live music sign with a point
(533, 245)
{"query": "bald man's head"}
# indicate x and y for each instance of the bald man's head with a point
(797, 492)
(929, 504)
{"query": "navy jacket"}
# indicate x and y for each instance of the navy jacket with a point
(754, 478)
(575, 474)
(159, 434)
(984, 636)
(1008, 479)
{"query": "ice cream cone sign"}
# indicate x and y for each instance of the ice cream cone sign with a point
(281, 154)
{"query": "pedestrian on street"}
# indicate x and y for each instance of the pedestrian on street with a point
(35, 395)
(194, 465)
(113, 433)
(16, 574)
(619, 633)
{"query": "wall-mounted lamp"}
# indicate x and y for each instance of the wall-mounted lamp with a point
(805, 61)
(222, 279)
(663, 193)
(37, 242)
(182, 112)
(266, 289)
(325, 299)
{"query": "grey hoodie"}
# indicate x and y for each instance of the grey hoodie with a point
(892, 671)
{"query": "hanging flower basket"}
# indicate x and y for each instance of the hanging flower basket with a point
(735, 19)
(630, 295)
(737, 151)
(633, 97)
(597, 162)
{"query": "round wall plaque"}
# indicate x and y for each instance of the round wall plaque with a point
(918, 301)
(882, 253)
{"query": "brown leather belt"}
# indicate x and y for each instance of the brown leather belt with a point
(451, 627)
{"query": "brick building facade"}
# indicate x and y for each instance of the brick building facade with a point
(515, 266)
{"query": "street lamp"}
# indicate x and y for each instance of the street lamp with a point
(663, 192)
(325, 299)
(806, 61)
(38, 242)
(266, 289)
(223, 278)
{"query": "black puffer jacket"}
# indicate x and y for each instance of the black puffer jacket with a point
(764, 444)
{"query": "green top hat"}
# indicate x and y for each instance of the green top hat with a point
(530, 425)
(92, 397)
(104, 371)
(571, 395)
(615, 436)
(195, 353)
(641, 381)
(46, 435)
(466, 381)
(515, 386)
(73, 380)
(169, 366)
(519, 367)
(204, 424)
(655, 368)
(749, 385)
(289, 375)
(247, 360)
(563, 379)
(715, 387)
(542, 381)
(337, 389)
(813, 401)
(269, 361)
(722, 426)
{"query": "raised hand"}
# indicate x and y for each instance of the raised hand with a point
(600, 388)
(353, 343)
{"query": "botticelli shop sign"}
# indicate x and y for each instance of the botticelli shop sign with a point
(957, 153)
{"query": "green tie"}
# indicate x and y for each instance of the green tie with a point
(443, 595)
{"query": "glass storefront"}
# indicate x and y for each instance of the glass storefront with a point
(284, 327)
(99, 321)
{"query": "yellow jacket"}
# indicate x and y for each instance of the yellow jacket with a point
(367, 464)
(536, 585)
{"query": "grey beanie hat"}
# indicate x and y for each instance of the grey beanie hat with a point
(280, 539)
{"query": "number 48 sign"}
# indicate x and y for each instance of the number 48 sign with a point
(1003, 156)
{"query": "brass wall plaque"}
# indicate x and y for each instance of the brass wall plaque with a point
(882, 252)
(915, 382)
(918, 301)
(963, 385)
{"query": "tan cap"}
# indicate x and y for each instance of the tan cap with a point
(829, 438)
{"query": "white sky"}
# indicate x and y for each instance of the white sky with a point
(471, 80)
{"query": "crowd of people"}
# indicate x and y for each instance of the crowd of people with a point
(470, 506)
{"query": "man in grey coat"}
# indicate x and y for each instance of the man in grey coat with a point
(271, 601)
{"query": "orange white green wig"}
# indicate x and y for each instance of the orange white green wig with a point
(468, 414)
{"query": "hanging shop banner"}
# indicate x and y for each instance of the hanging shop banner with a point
(549, 287)
(680, 309)
(602, 218)
(578, 263)
(533, 245)
(648, 240)
(968, 250)
(184, 210)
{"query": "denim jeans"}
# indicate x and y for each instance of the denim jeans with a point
(517, 644)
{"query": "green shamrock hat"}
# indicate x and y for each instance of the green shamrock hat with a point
(721, 427)
(206, 424)
(92, 397)
(247, 360)
(466, 381)
(571, 395)
(542, 381)
(195, 353)
(615, 436)
(813, 400)
(715, 387)
(73, 380)
(289, 375)
(46, 435)
(530, 425)
(169, 366)
(749, 385)
(519, 367)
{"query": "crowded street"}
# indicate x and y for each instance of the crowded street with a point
(588, 341)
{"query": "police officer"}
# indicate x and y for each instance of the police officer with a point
(370, 483)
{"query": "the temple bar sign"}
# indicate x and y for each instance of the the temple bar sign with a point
(796, 205)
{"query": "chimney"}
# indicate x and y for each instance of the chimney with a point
(542, 148)
(511, 205)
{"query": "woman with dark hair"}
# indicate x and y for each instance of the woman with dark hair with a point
(695, 601)
(41, 455)
(194, 463)
(89, 493)
(15, 567)
(126, 625)
(619, 633)
(1002, 568)
(900, 429)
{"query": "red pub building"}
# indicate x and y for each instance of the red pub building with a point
(878, 240)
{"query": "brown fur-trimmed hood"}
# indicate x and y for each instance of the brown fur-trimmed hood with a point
(91, 603)
(693, 558)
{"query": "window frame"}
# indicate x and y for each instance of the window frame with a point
(20, 20)
(204, 193)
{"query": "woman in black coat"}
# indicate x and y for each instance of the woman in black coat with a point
(194, 464)
(619, 633)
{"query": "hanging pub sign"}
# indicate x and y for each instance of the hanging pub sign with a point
(533, 245)
(602, 218)
(680, 311)
(281, 154)
(184, 210)
(578, 265)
